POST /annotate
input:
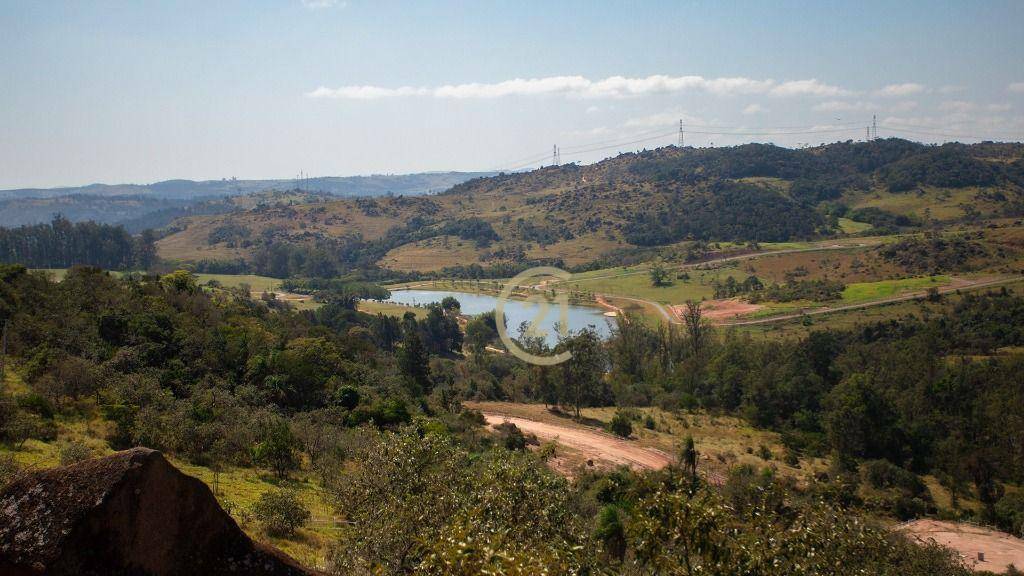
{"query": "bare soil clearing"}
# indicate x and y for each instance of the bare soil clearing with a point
(999, 549)
(722, 309)
(592, 444)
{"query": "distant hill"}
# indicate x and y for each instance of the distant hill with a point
(156, 205)
(375, 185)
(639, 201)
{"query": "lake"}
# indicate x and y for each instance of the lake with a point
(516, 311)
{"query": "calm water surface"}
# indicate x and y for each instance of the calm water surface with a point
(516, 311)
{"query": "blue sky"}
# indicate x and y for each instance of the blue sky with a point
(145, 91)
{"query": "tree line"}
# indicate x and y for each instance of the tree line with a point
(61, 244)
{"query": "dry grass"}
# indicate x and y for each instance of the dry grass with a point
(432, 254)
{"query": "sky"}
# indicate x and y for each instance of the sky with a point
(142, 91)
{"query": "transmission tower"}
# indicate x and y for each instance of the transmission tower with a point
(874, 127)
(680, 133)
(556, 156)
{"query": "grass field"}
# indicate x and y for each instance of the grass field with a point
(637, 284)
(867, 291)
(390, 309)
(256, 283)
(852, 226)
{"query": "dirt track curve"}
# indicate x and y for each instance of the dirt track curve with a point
(591, 443)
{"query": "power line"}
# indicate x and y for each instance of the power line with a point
(943, 134)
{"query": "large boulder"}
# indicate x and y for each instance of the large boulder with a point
(131, 513)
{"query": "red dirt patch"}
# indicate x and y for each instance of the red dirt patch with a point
(723, 309)
(999, 549)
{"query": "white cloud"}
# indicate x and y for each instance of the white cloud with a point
(663, 119)
(899, 90)
(1016, 87)
(863, 106)
(905, 106)
(956, 106)
(581, 87)
(592, 109)
(754, 109)
(318, 4)
(843, 106)
(999, 107)
(807, 88)
(951, 89)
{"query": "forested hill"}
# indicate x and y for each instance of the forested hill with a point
(581, 214)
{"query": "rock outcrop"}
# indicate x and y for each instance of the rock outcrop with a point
(131, 513)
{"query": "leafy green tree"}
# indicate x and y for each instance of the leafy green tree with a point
(582, 375)
(277, 449)
(280, 512)
(660, 275)
(480, 332)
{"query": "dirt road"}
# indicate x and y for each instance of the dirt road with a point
(998, 550)
(591, 443)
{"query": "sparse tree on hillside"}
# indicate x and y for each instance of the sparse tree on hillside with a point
(696, 327)
(660, 275)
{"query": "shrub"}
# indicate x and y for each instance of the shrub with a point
(620, 425)
(511, 436)
(280, 512)
(1010, 513)
(74, 452)
(347, 397)
(36, 404)
(649, 422)
(9, 469)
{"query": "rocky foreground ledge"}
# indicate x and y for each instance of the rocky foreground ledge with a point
(128, 513)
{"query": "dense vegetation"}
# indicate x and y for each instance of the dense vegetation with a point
(371, 405)
(61, 244)
(725, 211)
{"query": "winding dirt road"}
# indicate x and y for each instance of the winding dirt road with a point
(590, 443)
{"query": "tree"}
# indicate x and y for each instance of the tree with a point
(481, 331)
(660, 275)
(696, 327)
(620, 424)
(280, 512)
(610, 531)
(414, 363)
(688, 458)
(277, 449)
(582, 374)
